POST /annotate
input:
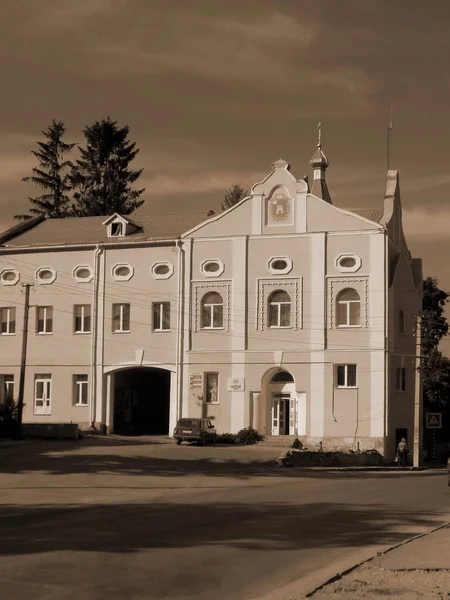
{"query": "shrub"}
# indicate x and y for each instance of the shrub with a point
(248, 437)
(9, 424)
(226, 438)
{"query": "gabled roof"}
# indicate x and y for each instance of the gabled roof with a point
(91, 230)
(373, 214)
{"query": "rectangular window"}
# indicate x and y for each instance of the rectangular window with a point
(8, 321)
(80, 390)
(161, 316)
(212, 388)
(346, 376)
(82, 318)
(401, 379)
(44, 319)
(121, 317)
(6, 388)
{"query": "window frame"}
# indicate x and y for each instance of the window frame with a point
(122, 305)
(401, 379)
(4, 272)
(44, 331)
(346, 385)
(78, 386)
(161, 313)
(206, 378)
(7, 387)
(211, 313)
(347, 304)
(279, 305)
(8, 310)
(83, 318)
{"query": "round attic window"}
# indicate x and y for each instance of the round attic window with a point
(161, 269)
(83, 273)
(9, 277)
(45, 275)
(347, 262)
(279, 265)
(122, 272)
(211, 267)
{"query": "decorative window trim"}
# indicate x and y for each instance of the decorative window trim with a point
(353, 269)
(217, 273)
(45, 281)
(284, 271)
(83, 279)
(335, 285)
(199, 289)
(293, 287)
(13, 281)
(122, 277)
(161, 275)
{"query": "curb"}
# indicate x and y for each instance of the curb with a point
(342, 574)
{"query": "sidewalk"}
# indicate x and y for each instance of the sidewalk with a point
(416, 569)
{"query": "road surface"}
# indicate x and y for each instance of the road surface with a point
(113, 519)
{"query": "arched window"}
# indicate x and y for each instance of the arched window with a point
(279, 309)
(348, 308)
(282, 377)
(401, 322)
(212, 311)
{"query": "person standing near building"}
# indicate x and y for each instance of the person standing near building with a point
(402, 451)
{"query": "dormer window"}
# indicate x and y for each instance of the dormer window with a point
(116, 229)
(118, 226)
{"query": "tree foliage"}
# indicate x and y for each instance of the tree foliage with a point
(102, 179)
(51, 176)
(233, 196)
(435, 366)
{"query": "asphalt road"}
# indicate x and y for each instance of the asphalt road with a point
(114, 519)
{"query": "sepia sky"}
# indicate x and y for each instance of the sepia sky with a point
(214, 91)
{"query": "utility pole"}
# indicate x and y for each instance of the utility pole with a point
(418, 407)
(23, 358)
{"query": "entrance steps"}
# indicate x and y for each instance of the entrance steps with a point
(278, 441)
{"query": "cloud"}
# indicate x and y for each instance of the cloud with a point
(423, 223)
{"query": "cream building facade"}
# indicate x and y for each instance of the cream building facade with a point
(284, 313)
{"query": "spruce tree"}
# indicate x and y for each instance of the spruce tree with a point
(101, 178)
(233, 196)
(51, 176)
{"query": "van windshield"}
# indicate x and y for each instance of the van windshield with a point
(188, 423)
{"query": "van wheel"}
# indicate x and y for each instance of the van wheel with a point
(178, 442)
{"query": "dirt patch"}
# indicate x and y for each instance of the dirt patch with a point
(370, 582)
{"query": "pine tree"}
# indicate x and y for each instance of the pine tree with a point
(101, 178)
(233, 196)
(52, 175)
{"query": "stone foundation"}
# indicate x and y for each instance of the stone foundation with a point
(343, 444)
(51, 430)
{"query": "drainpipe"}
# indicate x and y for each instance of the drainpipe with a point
(180, 327)
(386, 342)
(97, 253)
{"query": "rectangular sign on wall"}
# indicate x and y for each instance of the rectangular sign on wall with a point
(236, 384)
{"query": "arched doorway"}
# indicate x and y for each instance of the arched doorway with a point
(283, 403)
(141, 401)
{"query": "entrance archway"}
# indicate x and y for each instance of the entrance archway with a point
(283, 403)
(141, 401)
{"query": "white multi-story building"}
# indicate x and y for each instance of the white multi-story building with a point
(285, 313)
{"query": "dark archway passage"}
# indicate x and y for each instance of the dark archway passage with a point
(141, 401)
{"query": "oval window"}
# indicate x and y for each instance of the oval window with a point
(279, 265)
(347, 262)
(211, 267)
(161, 269)
(45, 274)
(83, 273)
(122, 271)
(8, 276)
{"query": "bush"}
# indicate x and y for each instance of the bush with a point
(9, 424)
(226, 438)
(248, 437)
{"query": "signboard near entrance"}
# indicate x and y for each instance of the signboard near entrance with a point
(433, 421)
(236, 384)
